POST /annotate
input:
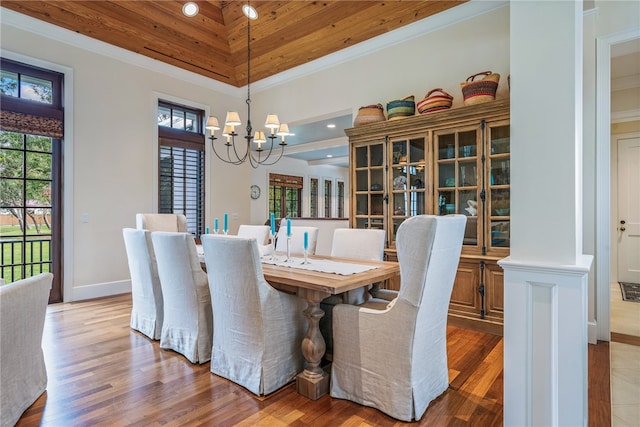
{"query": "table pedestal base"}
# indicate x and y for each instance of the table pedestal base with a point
(312, 388)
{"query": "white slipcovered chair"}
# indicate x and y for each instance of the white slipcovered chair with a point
(161, 222)
(259, 232)
(357, 243)
(187, 326)
(412, 370)
(259, 330)
(147, 309)
(297, 239)
(23, 374)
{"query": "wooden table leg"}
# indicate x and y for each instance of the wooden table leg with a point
(313, 382)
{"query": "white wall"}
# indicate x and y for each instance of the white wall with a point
(111, 153)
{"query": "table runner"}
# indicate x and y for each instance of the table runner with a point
(322, 265)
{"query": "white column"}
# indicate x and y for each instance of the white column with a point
(545, 335)
(545, 281)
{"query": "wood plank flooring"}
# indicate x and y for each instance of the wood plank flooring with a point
(101, 373)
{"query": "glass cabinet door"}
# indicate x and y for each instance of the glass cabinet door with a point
(408, 174)
(456, 177)
(369, 185)
(499, 185)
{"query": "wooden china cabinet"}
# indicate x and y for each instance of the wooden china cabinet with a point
(453, 161)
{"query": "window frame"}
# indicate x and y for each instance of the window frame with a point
(327, 184)
(43, 120)
(188, 142)
(285, 192)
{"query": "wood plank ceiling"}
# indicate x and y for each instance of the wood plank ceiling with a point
(214, 43)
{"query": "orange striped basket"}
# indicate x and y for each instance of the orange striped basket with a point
(479, 91)
(434, 101)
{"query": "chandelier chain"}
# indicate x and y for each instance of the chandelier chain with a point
(259, 156)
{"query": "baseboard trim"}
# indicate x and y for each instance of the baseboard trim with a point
(99, 290)
(625, 339)
(592, 332)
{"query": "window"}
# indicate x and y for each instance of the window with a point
(313, 197)
(24, 86)
(180, 117)
(181, 164)
(31, 173)
(327, 198)
(285, 196)
(341, 199)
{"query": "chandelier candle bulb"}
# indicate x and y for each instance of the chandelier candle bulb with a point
(228, 130)
(283, 131)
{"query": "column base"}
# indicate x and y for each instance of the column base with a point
(312, 388)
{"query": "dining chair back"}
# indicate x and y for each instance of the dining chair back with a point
(259, 232)
(412, 328)
(297, 239)
(23, 373)
(147, 304)
(358, 243)
(187, 326)
(161, 222)
(258, 329)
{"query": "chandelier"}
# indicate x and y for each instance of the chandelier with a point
(236, 154)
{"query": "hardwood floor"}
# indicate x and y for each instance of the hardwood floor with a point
(101, 373)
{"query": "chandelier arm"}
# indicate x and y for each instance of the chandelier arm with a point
(228, 159)
(239, 160)
(275, 161)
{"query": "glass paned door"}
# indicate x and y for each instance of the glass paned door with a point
(457, 179)
(408, 172)
(369, 186)
(27, 205)
(499, 188)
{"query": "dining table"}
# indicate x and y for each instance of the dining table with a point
(321, 277)
(313, 281)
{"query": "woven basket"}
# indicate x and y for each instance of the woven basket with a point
(434, 101)
(479, 91)
(369, 114)
(400, 108)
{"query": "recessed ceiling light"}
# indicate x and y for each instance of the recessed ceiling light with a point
(250, 11)
(190, 9)
(329, 155)
(331, 125)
